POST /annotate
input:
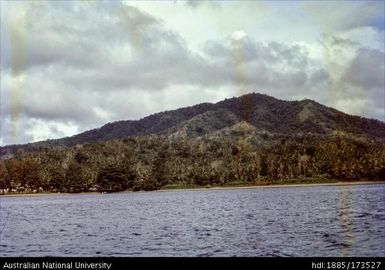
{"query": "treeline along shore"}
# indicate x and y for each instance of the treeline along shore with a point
(153, 162)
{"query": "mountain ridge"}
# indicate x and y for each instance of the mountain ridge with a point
(263, 112)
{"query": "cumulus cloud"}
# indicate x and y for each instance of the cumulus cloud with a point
(244, 62)
(365, 73)
(366, 69)
(68, 66)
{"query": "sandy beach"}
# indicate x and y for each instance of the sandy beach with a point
(281, 186)
(344, 183)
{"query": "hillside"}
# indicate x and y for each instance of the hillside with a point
(264, 113)
(253, 139)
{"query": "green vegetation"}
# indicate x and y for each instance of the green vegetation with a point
(251, 140)
(261, 112)
(155, 161)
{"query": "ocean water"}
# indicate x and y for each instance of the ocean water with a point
(279, 221)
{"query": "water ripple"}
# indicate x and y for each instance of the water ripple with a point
(303, 221)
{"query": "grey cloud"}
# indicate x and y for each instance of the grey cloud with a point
(215, 49)
(242, 50)
(170, 62)
(366, 70)
(318, 76)
(83, 49)
(13, 129)
(51, 103)
(336, 16)
(254, 65)
(360, 90)
(279, 81)
(57, 34)
(338, 41)
(248, 49)
(294, 56)
(67, 108)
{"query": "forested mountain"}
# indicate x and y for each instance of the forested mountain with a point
(254, 139)
(262, 112)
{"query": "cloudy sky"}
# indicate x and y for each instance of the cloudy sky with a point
(69, 66)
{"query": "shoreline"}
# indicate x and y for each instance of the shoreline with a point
(339, 183)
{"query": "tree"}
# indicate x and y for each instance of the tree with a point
(31, 173)
(57, 179)
(4, 176)
(158, 176)
(150, 184)
(111, 179)
(74, 179)
(23, 172)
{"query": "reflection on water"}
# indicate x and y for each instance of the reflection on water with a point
(295, 221)
(345, 219)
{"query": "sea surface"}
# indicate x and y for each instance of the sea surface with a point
(279, 221)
